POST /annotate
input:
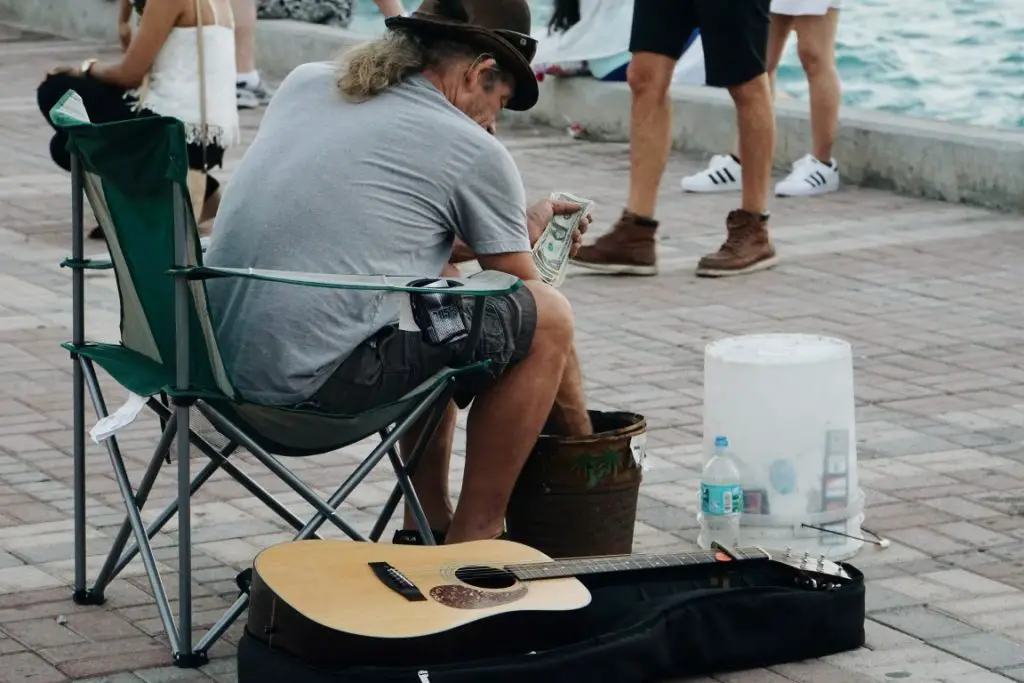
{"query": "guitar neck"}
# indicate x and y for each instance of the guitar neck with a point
(557, 569)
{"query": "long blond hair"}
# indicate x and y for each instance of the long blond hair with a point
(369, 69)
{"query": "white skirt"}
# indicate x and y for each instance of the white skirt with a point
(801, 7)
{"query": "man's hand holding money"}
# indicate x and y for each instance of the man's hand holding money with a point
(540, 214)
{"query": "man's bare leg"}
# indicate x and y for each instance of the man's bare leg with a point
(749, 247)
(245, 35)
(569, 415)
(505, 420)
(778, 36)
(650, 129)
(755, 119)
(816, 40)
(629, 248)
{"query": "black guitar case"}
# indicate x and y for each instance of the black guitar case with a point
(641, 627)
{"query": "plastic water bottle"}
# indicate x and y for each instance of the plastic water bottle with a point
(721, 499)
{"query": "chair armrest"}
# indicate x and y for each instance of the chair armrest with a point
(91, 263)
(486, 283)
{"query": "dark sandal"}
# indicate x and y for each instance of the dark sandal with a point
(412, 537)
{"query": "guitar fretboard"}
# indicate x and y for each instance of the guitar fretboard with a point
(599, 565)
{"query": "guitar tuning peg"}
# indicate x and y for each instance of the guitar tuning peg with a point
(789, 551)
(821, 562)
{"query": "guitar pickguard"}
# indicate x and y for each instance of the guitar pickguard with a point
(467, 597)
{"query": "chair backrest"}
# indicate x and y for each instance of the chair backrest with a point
(135, 177)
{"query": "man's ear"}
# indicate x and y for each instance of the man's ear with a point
(481, 67)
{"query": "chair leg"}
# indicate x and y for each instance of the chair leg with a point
(403, 472)
(81, 595)
(411, 499)
(221, 458)
(111, 567)
(223, 624)
(135, 518)
(184, 655)
(325, 510)
(275, 466)
(165, 516)
(438, 398)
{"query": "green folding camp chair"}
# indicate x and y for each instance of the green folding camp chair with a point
(134, 176)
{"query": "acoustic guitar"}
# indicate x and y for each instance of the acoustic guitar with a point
(333, 603)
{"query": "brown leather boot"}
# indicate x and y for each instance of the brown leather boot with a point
(627, 250)
(748, 247)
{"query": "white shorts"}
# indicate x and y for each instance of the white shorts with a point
(801, 7)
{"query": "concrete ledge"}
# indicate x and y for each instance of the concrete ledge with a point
(951, 162)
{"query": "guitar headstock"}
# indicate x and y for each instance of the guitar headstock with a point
(818, 572)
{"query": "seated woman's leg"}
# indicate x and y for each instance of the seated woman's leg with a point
(104, 104)
(197, 161)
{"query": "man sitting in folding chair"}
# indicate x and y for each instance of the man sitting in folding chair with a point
(387, 163)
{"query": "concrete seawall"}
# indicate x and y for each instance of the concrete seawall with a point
(952, 162)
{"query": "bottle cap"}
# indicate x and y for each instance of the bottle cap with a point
(721, 442)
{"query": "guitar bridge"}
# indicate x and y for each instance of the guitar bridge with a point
(397, 581)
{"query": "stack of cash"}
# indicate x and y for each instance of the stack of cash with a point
(551, 252)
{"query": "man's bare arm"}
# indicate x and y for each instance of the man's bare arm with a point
(518, 263)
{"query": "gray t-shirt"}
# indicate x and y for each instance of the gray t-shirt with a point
(380, 187)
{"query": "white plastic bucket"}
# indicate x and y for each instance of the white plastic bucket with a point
(786, 403)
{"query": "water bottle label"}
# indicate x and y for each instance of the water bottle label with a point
(721, 500)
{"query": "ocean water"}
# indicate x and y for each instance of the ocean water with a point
(951, 60)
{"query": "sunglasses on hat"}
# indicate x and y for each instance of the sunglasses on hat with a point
(524, 44)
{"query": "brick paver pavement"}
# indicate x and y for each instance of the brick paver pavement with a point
(928, 293)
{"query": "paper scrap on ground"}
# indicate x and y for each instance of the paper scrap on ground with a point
(638, 447)
(119, 419)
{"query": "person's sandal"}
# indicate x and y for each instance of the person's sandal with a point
(412, 537)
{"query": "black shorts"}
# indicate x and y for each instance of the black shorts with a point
(393, 362)
(734, 34)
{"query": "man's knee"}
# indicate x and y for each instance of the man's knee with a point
(650, 74)
(554, 317)
(756, 91)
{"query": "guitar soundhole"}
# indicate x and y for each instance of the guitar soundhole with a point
(487, 578)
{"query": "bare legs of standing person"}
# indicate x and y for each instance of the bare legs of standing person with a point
(250, 90)
(815, 173)
(734, 35)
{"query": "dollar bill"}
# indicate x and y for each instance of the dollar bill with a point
(551, 251)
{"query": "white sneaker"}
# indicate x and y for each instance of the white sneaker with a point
(808, 178)
(252, 96)
(721, 175)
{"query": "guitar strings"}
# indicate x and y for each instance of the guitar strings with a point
(574, 560)
(471, 571)
(485, 569)
(555, 562)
